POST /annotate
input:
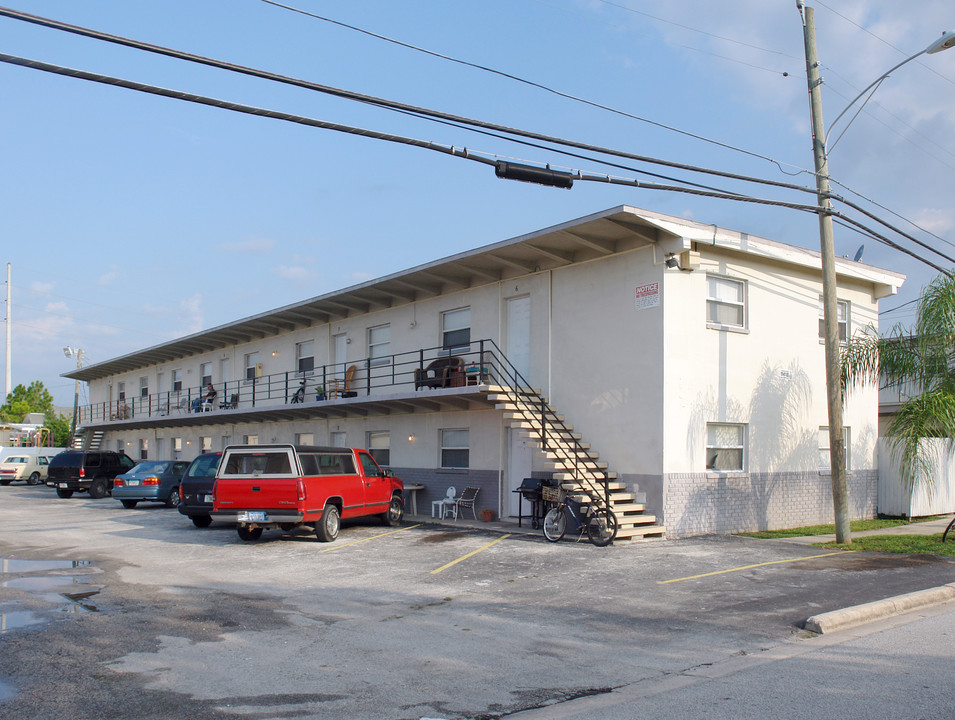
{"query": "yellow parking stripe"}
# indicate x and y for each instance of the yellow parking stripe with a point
(748, 567)
(465, 557)
(336, 546)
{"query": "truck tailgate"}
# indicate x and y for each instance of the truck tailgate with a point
(256, 493)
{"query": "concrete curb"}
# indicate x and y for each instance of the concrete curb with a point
(859, 614)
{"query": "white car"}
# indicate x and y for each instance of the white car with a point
(31, 468)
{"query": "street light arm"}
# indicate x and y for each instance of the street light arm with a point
(944, 43)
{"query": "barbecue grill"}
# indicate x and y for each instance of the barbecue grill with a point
(530, 490)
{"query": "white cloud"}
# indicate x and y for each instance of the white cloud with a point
(190, 310)
(252, 245)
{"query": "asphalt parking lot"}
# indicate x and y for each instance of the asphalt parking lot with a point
(417, 621)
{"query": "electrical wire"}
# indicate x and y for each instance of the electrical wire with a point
(450, 150)
(516, 78)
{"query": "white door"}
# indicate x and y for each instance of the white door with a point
(519, 459)
(225, 371)
(339, 345)
(518, 339)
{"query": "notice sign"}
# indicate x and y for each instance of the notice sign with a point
(648, 296)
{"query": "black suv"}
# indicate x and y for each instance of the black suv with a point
(195, 490)
(93, 471)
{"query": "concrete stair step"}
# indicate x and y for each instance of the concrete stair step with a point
(646, 532)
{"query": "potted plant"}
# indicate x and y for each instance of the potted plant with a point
(319, 392)
(487, 515)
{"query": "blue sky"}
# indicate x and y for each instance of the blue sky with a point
(131, 219)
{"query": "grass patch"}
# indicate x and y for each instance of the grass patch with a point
(905, 544)
(854, 526)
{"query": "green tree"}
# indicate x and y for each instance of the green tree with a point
(22, 400)
(59, 426)
(918, 361)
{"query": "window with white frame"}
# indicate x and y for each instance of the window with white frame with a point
(120, 446)
(143, 387)
(143, 449)
(725, 302)
(251, 365)
(304, 439)
(456, 330)
(250, 439)
(455, 448)
(205, 374)
(725, 447)
(842, 314)
(121, 389)
(177, 448)
(305, 357)
(379, 345)
(378, 443)
(205, 443)
(177, 380)
(825, 460)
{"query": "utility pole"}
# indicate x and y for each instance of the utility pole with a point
(9, 366)
(830, 309)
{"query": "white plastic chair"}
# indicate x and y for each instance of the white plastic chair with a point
(449, 503)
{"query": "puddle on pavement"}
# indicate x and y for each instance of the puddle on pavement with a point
(66, 594)
(14, 565)
(442, 537)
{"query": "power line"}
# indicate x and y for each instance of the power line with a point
(516, 78)
(450, 150)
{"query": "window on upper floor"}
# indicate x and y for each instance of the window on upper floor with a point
(305, 357)
(176, 380)
(379, 345)
(378, 443)
(121, 390)
(456, 330)
(825, 460)
(144, 387)
(725, 447)
(843, 320)
(725, 302)
(455, 448)
(205, 374)
(251, 366)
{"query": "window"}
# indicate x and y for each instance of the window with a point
(143, 449)
(177, 448)
(205, 374)
(205, 444)
(144, 387)
(121, 389)
(456, 330)
(177, 380)
(250, 439)
(120, 446)
(842, 314)
(378, 443)
(305, 357)
(825, 463)
(379, 345)
(724, 447)
(455, 451)
(725, 302)
(251, 365)
(304, 439)
(337, 439)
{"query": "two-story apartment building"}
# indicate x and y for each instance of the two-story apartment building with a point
(674, 367)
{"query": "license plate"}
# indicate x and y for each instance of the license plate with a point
(252, 516)
(63, 485)
(207, 499)
(132, 482)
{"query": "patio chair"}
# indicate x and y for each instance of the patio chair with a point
(338, 387)
(231, 404)
(466, 501)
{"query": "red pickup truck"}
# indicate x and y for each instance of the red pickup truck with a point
(283, 486)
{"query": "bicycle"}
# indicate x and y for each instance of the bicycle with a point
(600, 525)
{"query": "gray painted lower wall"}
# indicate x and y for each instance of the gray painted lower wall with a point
(697, 504)
(436, 484)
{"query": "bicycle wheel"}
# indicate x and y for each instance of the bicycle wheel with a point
(555, 524)
(602, 528)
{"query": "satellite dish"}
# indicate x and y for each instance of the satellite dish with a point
(858, 255)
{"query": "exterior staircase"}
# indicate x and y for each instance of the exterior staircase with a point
(575, 465)
(85, 440)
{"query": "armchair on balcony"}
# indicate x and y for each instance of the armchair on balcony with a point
(440, 373)
(341, 386)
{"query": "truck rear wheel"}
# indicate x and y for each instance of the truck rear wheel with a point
(201, 521)
(64, 493)
(327, 528)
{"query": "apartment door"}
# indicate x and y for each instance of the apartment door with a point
(225, 375)
(517, 343)
(339, 355)
(520, 458)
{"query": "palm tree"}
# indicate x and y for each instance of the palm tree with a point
(919, 361)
